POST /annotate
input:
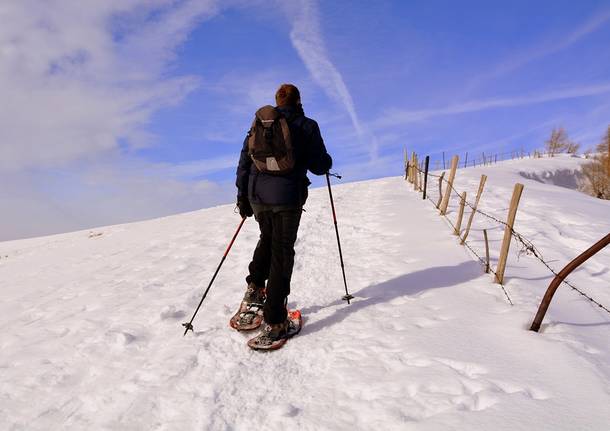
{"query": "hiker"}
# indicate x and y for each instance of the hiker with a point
(273, 188)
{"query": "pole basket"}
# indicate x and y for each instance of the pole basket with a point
(188, 326)
(347, 298)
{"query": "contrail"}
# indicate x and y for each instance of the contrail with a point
(306, 37)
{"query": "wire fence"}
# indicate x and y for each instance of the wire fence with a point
(527, 246)
(483, 159)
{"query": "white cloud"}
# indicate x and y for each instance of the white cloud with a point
(79, 84)
(76, 81)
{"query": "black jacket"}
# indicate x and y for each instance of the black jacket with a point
(291, 189)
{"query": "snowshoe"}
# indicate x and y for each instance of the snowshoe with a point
(249, 316)
(273, 337)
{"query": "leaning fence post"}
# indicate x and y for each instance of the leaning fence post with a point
(508, 232)
(486, 251)
(458, 224)
(474, 208)
(548, 296)
(440, 190)
(426, 165)
(445, 203)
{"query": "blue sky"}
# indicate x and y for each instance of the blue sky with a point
(126, 111)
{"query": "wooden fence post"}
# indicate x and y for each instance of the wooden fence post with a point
(508, 232)
(413, 167)
(474, 209)
(445, 203)
(440, 190)
(486, 251)
(466, 160)
(421, 176)
(444, 167)
(458, 224)
(416, 173)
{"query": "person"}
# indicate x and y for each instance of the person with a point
(276, 201)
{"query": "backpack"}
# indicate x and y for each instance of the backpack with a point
(269, 142)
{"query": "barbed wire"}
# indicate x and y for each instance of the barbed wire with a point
(488, 158)
(527, 246)
(483, 261)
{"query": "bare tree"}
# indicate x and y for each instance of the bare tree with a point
(557, 142)
(572, 148)
(597, 172)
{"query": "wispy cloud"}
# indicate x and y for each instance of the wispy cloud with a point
(541, 50)
(307, 39)
(403, 117)
(77, 83)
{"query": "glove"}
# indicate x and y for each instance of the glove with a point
(245, 209)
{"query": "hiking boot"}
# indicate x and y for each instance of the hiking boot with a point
(254, 294)
(272, 336)
(249, 316)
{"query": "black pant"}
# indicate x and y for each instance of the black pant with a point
(274, 258)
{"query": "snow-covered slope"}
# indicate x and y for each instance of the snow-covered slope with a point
(91, 335)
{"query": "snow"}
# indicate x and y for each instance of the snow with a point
(91, 334)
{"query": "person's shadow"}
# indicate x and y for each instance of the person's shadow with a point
(406, 285)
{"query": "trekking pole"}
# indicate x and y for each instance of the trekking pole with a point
(189, 325)
(347, 296)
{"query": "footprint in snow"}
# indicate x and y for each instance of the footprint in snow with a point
(170, 312)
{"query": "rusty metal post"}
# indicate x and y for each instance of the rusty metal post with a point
(548, 296)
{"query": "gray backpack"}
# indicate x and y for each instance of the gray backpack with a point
(269, 143)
